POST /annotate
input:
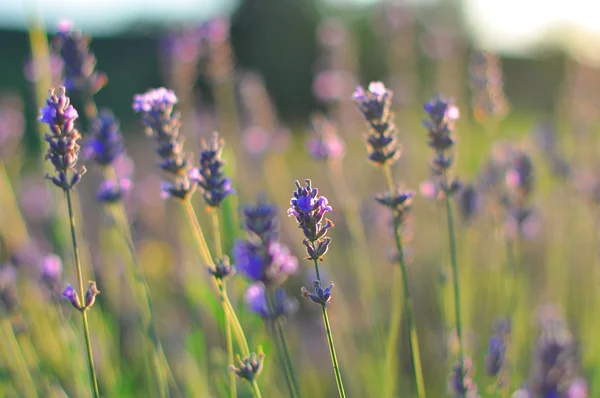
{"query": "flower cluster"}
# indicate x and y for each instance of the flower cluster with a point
(374, 104)
(162, 124)
(309, 209)
(269, 308)
(460, 381)
(12, 125)
(546, 140)
(90, 296)
(250, 367)
(320, 296)
(487, 83)
(324, 144)
(555, 361)
(210, 176)
(521, 219)
(104, 147)
(442, 115)
(496, 360)
(265, 261)
(399, 202)
(79, 62)
(60, 116)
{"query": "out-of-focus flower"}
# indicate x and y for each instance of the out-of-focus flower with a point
(35, 198)
(162, 124)
(375, 104)
(79, 61)
(487, 85)
(440, 127)
(111, 191)
(331, 33)
(470, 202)
(210, 177)
(279, 304)
(460, 381)
(555, 361)
(399, 202)
(12, 125)
(271, 264)
(33, 72)
(106, 142)
(324, 143)
(51, 266)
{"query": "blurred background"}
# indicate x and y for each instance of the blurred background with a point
(525, 76)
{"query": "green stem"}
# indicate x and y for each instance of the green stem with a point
(86, 330)
(334, 361)
(15, 362)
(160, 363)
(218, 285)
(255, 389)
(229, 341)
(455, 283)
(408, 308)
(283, 350)
(228, 338)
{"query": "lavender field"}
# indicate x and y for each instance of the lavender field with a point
(418, 236)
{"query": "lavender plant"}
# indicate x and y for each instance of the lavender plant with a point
(309, 209)
(63, 153)
(215, 187)
(268, 263)
(383, 150)
(162, 124)
(442, 114)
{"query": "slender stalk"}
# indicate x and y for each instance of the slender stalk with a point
(283, 351)
(455, 283)
(86, 330)
(227, 306)
(408, 308)
(147, 316)
(15, 362)
(228, 338)
(334, 361)
(255, 389)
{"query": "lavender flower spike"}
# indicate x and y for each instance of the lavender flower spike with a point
(162, 124)
(309, 210)
(210, 176)
(60, 116)
(106, 141)
(79, 62)
(442, 115)
(375, 104)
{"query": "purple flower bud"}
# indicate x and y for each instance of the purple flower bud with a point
(320, 296)
(70, 294)
(90, 294)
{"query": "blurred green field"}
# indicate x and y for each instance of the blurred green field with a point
(552, 275)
